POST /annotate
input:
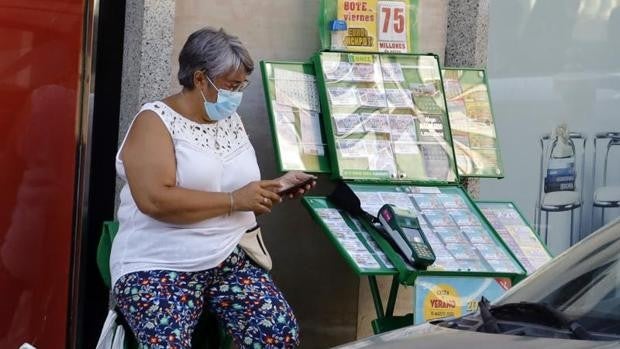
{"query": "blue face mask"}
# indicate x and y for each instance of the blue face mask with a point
(226, 104)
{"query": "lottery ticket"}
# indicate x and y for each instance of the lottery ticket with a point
(371, 97)
(348, 123)
(376, 123)
(342, 96)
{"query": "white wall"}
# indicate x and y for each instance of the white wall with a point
(551, 61)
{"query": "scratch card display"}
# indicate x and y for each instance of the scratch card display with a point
(516, 233)
(471, 119)
(292, 98)
(458, 237)
(388, 92)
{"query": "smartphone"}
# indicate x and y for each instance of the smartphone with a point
(296, 187)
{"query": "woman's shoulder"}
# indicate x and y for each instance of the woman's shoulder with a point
(157, 107)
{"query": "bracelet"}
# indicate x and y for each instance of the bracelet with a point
(232, 203)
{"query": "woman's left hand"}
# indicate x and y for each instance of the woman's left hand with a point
(295, 184)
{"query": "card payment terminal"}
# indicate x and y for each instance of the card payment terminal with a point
(403, 227)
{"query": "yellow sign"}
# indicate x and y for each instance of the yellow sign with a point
(365, 58)
(376, 25)
(361, 18)
(442, 301)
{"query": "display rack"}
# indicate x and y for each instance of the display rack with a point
(380, 123)
(517, 234)
(471, 122)
(470, 254)
(463, 241)
(385, 117)
(294, 115)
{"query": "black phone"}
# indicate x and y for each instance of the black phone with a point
(296, 187)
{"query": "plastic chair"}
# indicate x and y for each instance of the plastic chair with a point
(207, 324)
(560, 201)
(605, 196)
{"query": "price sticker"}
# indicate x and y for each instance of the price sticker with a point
(392, 26)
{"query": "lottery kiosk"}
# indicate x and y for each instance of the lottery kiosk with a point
(380, 122)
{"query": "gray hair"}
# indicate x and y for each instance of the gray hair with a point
(213, 51)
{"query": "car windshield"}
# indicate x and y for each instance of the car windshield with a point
(583, 283)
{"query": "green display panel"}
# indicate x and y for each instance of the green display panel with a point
(385, 117)
(294, 115)
(516, 233)
(472, 123)
(463, 241)
(352, 239)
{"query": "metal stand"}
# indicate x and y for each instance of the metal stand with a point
(572, 203)
(604, 196)
(386, 321)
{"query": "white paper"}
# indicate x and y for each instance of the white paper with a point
(352, 148)
(376, 123)
(342, 96)
(296, 89)
(310, 128)
(347, 123)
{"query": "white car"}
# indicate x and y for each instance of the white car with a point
(572, 302)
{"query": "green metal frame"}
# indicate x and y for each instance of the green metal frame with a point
(312, 163)
(406, 274)
(386, 320)
(402, 273)
(485, 82)
(327, 116)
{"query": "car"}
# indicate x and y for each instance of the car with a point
(571, 302)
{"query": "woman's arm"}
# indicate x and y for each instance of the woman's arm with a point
(148, 157)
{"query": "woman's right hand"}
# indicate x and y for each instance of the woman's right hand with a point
(257, 196)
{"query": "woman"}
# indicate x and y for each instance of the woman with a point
(193, 189)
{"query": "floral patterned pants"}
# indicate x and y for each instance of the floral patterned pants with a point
(162, 307)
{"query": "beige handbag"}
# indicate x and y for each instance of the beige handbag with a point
(253, 245)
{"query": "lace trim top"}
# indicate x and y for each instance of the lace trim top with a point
(222, 137)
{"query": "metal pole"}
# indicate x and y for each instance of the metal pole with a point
(546, 226)
(376, 296)
(572, 234)
(392, 299)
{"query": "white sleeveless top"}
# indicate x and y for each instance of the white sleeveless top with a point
(215, 157)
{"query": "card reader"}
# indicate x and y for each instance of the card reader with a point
(403, 227)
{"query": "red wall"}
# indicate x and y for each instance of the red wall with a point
(40, 53)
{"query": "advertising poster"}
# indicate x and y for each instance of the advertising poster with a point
(438, 297)
(369, 25)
